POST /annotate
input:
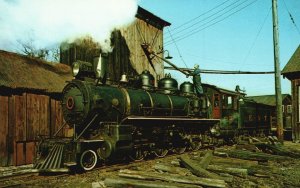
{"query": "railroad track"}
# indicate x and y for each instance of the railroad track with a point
(30, 177)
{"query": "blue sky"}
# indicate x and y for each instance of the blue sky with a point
(243, 41)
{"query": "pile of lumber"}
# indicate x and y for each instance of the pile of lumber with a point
(218, 168)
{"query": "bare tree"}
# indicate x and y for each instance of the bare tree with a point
(29, 49)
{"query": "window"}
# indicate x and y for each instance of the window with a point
(289, 109)
(228, 101)
(216, 102)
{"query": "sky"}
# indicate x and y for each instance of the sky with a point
(241, 40)
(233, 35)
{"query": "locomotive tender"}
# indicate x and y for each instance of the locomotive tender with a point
(126, 119)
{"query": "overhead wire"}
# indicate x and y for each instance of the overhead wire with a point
(291, 17)
(204, 19)
(200, 15)
(214, 23)
(177, 49)
(192, 32)
(207, 71)
(256, 37)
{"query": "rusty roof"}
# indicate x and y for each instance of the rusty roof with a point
(22, 72)
(293, 65)
(268, 99)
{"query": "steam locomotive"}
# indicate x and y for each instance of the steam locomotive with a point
(132, 118)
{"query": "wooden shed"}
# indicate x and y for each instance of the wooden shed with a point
(127, 55)
(30, 90)
(292, 72)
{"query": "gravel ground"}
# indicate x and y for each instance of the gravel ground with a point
(280, 174)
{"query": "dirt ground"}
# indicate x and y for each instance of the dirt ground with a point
(284, 173)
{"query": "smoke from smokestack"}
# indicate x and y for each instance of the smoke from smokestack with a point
(49, 22)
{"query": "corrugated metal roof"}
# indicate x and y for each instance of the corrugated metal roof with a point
(19, 71)
(267, 99)
(293, 64)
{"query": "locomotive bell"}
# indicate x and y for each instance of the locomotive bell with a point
(124, 78)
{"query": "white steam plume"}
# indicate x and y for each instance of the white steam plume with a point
(49, 22)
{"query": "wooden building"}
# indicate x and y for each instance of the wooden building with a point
(292, 72)
(127, 55)
(268, 102)
(29, 104)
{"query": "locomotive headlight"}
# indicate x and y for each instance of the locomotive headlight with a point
(76, 68)
(83, 69)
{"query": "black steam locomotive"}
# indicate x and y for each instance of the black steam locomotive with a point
(126, 119)
(134, 118)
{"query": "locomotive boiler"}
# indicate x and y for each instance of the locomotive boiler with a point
(132, 119)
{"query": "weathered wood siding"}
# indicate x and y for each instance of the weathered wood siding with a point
(127, 55)
(24, 117)
(134, 35)
(295, 106)
(3, 130)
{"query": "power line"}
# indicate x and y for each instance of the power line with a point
(206, 71)
(208, 17)
(190, 33)
(177, 49)
(256, 37)
(199, 15)
(201, 29)
(190, 21)
(291, 17)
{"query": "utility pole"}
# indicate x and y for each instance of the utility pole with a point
(279, 119)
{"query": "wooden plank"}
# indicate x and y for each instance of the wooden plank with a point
(52, 117)
(33, 116)
(56, 117)
(20, 117)
(3, 130)
(20, 157)
(179, 179)
(196, 169)
(30, 116)
(30, 152)
(36, 114)
(44, 115)
(11, 131)
(20, 128)
(122, 182)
